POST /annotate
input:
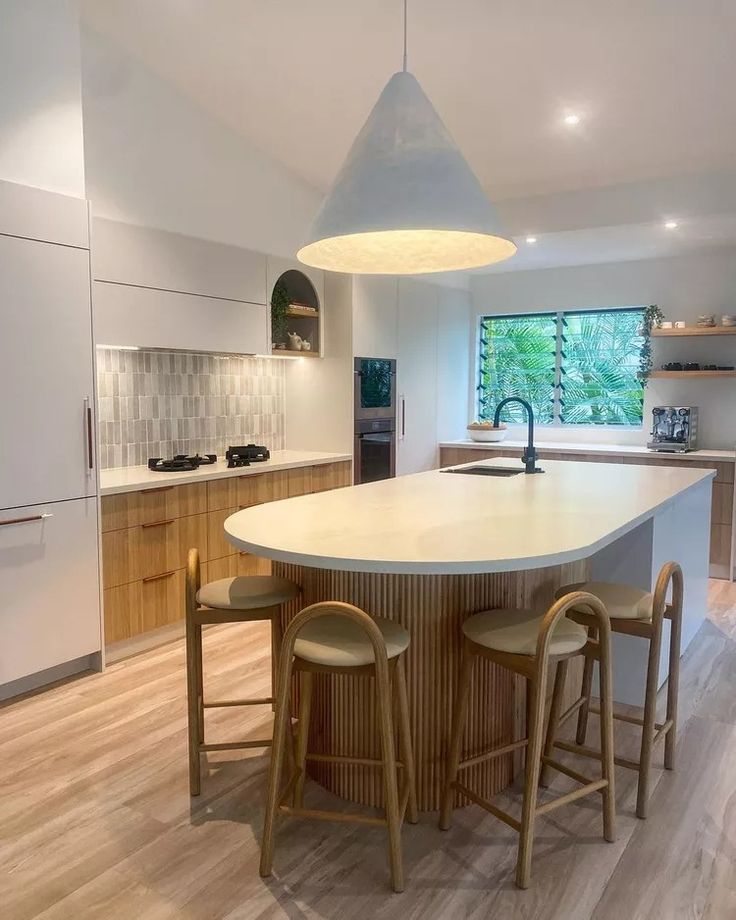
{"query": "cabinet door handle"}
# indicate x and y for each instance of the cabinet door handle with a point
(160, 489)
(90, 430)
(157, 577)
(159, 523)
(26, 520)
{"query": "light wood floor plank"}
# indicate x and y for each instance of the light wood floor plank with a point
(96, 820)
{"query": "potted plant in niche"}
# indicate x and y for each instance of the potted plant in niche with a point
(279, 314)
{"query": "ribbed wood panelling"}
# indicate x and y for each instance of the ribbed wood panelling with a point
(432, 608)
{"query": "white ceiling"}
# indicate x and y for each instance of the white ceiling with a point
(653, 81)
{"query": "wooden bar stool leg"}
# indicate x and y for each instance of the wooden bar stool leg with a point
(391, 792)
(274, 775)
(277, 636)
(459, 718)
(199, 672)
(606, 727)
(647, 733)
(673, 688)
(302, 735)
(586, 690)
(407, 751)
(195, 771)
(555, 711)
(531, 781)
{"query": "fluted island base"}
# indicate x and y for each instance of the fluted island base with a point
(432, 608)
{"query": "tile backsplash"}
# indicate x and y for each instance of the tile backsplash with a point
(159, 403)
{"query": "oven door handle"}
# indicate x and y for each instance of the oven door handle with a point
(402, 417)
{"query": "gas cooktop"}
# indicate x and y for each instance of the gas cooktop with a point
(180, 463)
(244, 456)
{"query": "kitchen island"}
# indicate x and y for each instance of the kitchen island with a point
(432, 548)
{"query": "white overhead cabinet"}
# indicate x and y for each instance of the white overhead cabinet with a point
(50, 612)
(158, 289)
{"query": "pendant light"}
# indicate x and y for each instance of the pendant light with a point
(405, 200)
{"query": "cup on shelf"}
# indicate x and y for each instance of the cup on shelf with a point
(679, 324)
(667, 324)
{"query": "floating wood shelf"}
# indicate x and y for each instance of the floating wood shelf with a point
(287, 353)
(681, 375)
(295, 310)
(695, 330)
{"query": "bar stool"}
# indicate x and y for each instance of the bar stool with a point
(244, 599)
(526, 643)
(337, 638)
(634, 612)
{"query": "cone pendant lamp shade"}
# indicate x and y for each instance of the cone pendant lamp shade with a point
(405, 201)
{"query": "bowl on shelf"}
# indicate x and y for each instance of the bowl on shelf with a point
(484, 431)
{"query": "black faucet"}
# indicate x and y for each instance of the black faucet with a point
(529, 459)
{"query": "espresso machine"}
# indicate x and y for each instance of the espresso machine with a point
(674, 429)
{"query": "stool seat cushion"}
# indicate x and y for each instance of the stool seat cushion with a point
(247, 592)
(622, 602)
(336, 641)
(516, 631)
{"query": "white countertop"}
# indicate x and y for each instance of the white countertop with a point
(135, 478)
(614, 450)
(445, 523)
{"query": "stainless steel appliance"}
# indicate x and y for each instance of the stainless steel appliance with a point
(375, 419)
(674, 429)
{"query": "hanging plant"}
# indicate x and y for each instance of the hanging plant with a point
(279, 314)
(653, 317)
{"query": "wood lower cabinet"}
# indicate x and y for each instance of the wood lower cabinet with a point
(146, 537)
(722, 507)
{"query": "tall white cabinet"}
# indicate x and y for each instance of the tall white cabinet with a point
(50, 611)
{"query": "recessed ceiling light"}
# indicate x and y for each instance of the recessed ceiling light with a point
(671, 225)
(531, 239)
(572, 119)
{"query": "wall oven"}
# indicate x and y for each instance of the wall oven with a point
(374, 419)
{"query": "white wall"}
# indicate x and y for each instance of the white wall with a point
(153, 158)
(683, 287)
(319, 393)
(40, 101)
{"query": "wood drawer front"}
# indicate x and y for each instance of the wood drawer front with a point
(130, 509)
(724, 471)
(259, 488)
(222, 493)
(217, 546)
(720, 550)
(299, 481)
(326, 476)
(151, 549)
(239, 564)
(141, 606)
(722, 503)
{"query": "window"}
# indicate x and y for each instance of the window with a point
(574, 368)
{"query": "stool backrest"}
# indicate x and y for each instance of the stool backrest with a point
(670, 573)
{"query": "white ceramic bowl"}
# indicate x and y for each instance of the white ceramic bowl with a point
(487, 434)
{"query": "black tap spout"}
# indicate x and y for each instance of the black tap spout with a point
(529, 458)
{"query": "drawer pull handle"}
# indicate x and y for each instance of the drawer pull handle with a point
(159, 523)
(242, 552)
(26, 520)
(157, 577)
(161, 489)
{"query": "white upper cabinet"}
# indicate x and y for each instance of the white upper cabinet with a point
(46, 373)
(146, 317)
(375, 316)
(145, 257)
(36, 214)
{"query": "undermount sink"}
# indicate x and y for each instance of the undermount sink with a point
(501, 471)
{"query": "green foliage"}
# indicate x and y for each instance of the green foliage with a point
(600, 368)
(653, 316)
(518, 359)
(279, 311)
(598, 363)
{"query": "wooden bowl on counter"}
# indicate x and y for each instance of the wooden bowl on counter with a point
(484, 431)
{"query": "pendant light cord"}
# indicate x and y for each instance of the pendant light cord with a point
(405, 2)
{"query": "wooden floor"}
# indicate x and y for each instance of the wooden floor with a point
(96, 820)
